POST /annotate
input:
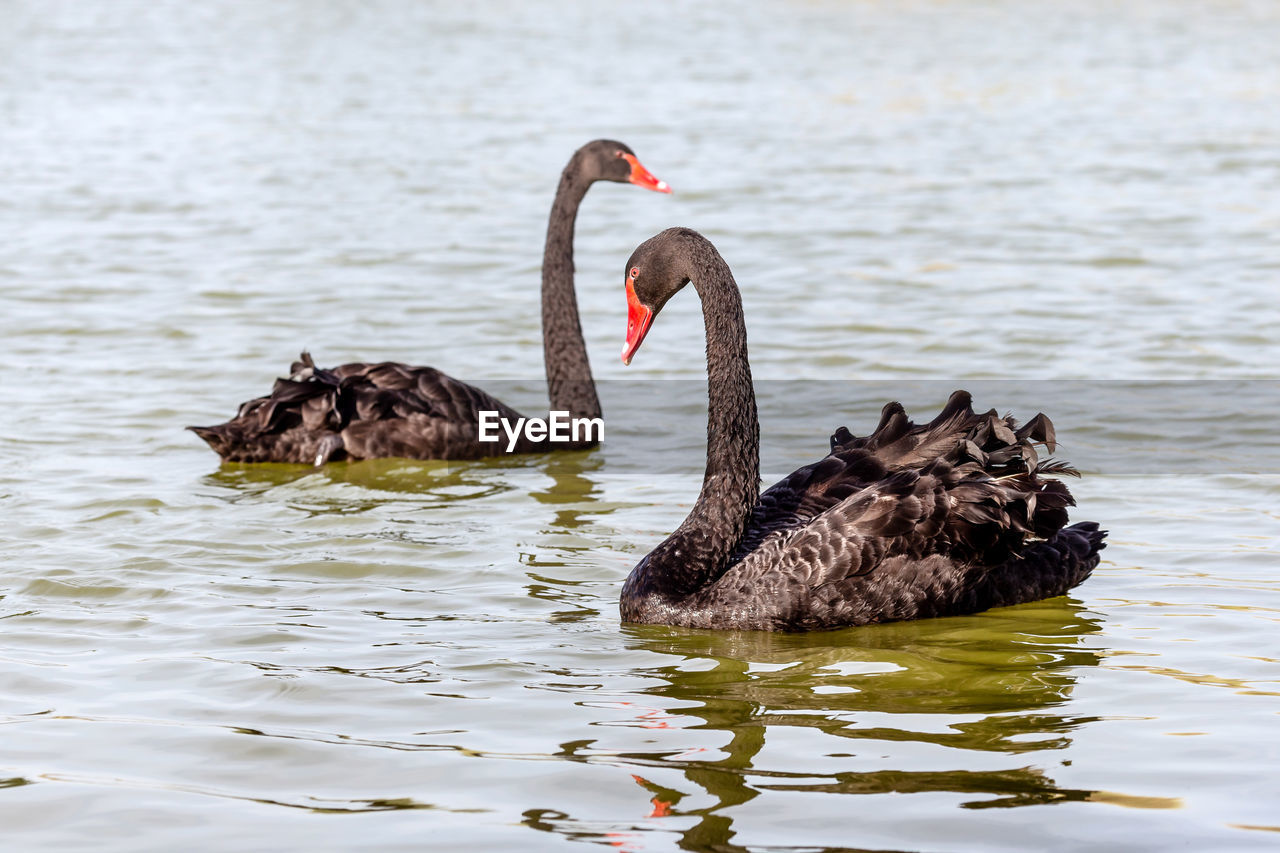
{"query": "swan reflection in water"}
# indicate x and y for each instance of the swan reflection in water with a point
(573, 492)
(995, 683)
(559, 561)
(347, 487)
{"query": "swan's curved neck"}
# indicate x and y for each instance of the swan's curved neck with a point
(569, 382)
(698, 552)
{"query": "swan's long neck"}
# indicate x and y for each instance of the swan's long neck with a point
(698, 552)
(569, 381)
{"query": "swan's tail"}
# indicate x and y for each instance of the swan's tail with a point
(214, 436)
(1044, 568)
(265, 428)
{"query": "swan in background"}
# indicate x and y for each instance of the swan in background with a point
(362, 411)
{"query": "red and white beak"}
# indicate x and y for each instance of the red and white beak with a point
(639, 318)
(642, 177)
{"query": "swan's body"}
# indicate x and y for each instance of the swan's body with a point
(947, 518)
(361, 411)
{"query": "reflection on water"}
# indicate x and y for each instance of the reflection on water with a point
(573, 492)
(988, 684)
(359, 486)
(571, 536)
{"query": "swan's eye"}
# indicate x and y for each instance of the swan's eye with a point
(619, 154)
(635, 273)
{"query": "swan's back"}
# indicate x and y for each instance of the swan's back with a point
(358, 411)
(911, 521)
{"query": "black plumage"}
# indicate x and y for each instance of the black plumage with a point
(911, 521)
(360, 411)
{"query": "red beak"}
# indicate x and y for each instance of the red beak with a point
(642, 177)
(639, 317)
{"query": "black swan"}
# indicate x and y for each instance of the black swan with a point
(361, 411)
(945, 518)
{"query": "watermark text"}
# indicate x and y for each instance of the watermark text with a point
(557, 428)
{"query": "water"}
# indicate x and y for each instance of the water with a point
(402, 655)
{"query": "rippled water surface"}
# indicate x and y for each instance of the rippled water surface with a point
(401, 655)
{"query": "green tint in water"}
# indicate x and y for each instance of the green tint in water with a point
(999, 685)
(399, 655)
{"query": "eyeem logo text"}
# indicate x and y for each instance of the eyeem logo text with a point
(558, 427)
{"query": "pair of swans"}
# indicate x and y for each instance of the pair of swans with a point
(911, 521)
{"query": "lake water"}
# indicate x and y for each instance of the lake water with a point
(1067, 206)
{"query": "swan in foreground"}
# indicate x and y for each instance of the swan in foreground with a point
(913, 521)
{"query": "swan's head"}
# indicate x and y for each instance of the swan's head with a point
(610, 160)
(656, 271)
